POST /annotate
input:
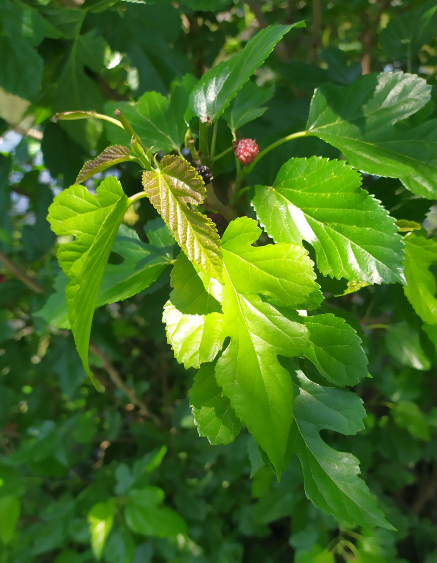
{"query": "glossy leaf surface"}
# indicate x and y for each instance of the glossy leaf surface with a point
(360, 120)
(321, 201)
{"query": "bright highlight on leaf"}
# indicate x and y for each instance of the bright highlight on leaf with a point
(360, 120)
(321, 201)
(172, 190)
(93, 220)
(193, 319)
(100, 519)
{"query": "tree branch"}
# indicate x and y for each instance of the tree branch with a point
(315, 33)
(255, 8)
(426, 493)
(20, 274)
(118, 382)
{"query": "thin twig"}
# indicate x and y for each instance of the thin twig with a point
(212, 203)
(32, 133)
(20, 274)
(315, 33)
(118, 382)
(426, 493)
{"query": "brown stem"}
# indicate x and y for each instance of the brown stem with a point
(20, 274)
(315, 33)
(426, 493)
(212, 203)
(369, 37)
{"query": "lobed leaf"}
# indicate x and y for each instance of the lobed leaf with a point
(217, 87)
(259, 388)
(109, 157)
(330, 477)
(172, 190)
(360, 120)
(321, 201)
(94, 221)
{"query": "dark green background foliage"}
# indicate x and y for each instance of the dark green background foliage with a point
(122, 475)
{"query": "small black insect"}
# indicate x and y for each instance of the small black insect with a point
(204, 172)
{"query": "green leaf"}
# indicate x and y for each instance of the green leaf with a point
(281, 272)
(321, 201)
(316, 555)
(407, 414)
(406, 226)
(330, 477)
(335, 350)
(10, 507)
(145, 515)
(403, 343)
(220, 84)
(93, 220)
(100, 520)
(141, 265)
(21, 67)
(407, 33)
(170, 189)
(259, 388)
(157, 120)
(360, 120)
(247, 106)
(109, 157)
(66, 363)
(421, 288)
(214, 417)
(158, 233)
(194, 324)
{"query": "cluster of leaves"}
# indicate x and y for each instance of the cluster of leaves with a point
(274, 319)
